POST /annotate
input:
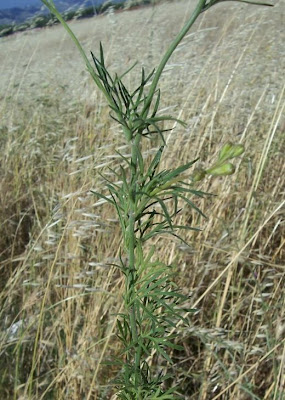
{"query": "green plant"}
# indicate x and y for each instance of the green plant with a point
(147, 202)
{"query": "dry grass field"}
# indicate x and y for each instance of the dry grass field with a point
(59, 297)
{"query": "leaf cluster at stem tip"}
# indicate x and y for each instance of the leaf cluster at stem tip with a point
(130, 106)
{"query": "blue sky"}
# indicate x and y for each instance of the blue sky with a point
(4, 4)
(18, 3)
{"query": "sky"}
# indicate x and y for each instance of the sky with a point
(6, 4)
(18, 3)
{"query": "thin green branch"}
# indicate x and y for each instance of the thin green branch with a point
(169, 52)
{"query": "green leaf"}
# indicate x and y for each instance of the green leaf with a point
(120, 214)
(192, 205)
(153, 274)
(151, 283)
(140, 160)
(158, 130)
(162, 353)
(124, 158)
(155, 162)
(102, 196)
(155, 109)
(127, 71)
(178, 171)
(187, 228)
(153, 120)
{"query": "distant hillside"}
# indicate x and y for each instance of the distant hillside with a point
(16, 14)
(18, 11)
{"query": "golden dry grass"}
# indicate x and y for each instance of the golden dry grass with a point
(58, 295)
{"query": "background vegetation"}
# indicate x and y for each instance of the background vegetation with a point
(41, 20)
(59, 296)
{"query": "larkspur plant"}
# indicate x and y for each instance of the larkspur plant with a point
(147, 202)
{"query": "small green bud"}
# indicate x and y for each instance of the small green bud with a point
(230, 150)
(198, 175)
(221, 169)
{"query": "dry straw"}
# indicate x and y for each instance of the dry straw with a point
(148, 201)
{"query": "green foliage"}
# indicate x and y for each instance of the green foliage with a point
(147, 201)
(132, 110)
(6, 30)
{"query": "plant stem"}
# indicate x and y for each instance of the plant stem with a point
(131, 245)
(170, 51)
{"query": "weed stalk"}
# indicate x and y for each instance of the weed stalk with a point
(147, 202)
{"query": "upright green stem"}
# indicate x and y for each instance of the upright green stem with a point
(132, 273)
(201, 4)
(201, 7)
(131, 245)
